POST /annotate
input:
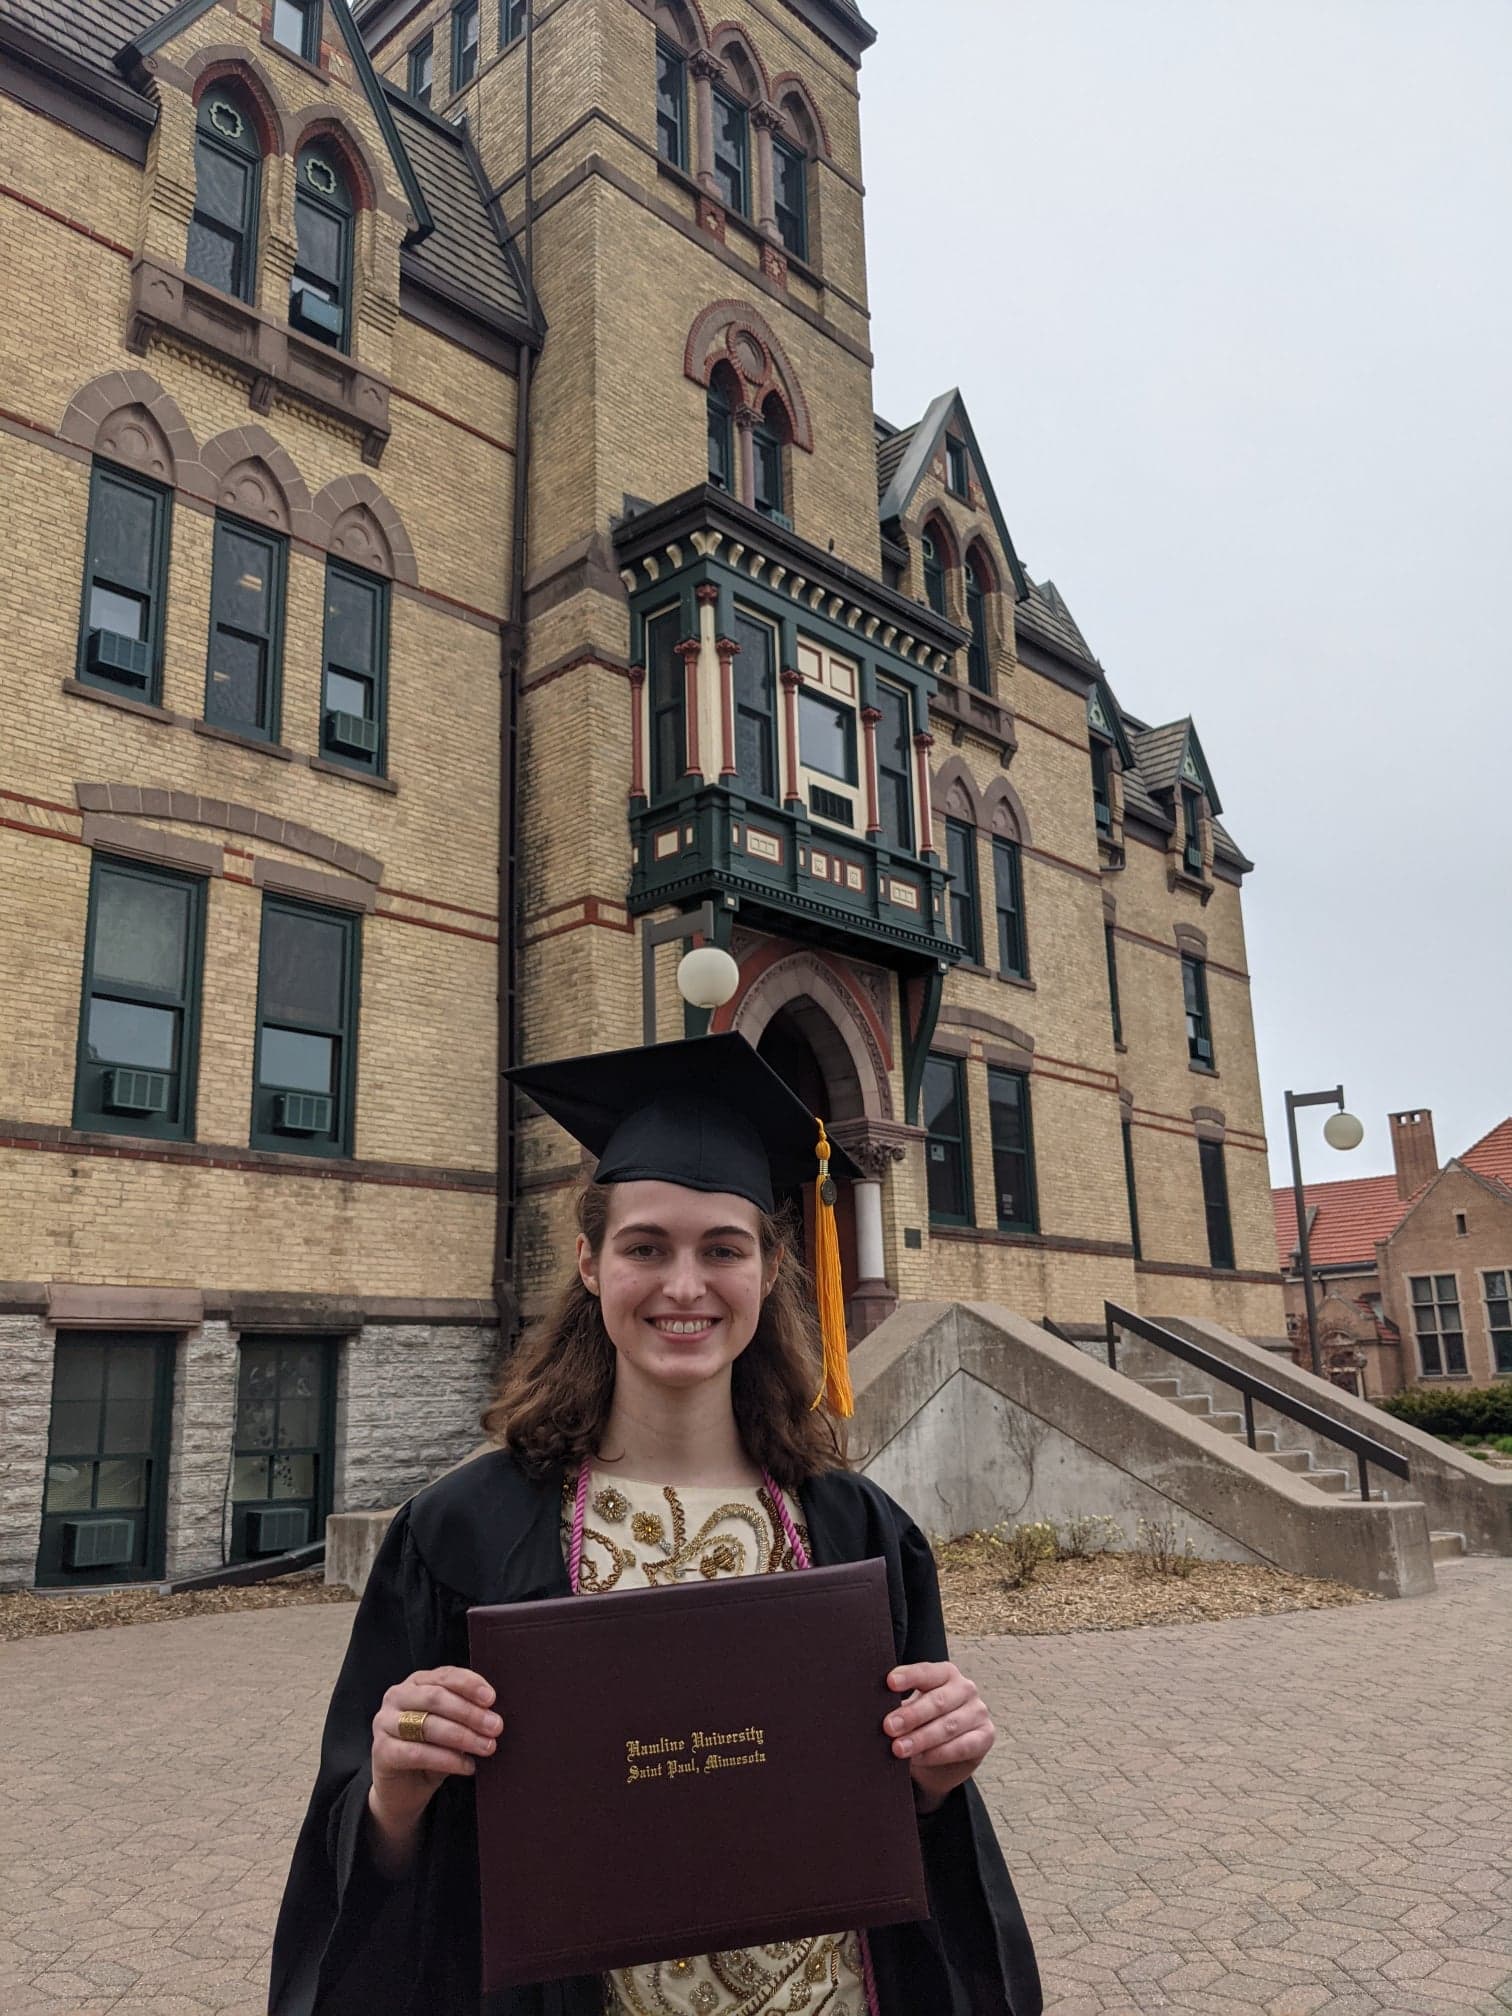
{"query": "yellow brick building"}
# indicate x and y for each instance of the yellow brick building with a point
(393, 638)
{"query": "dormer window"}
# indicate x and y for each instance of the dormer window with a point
(1102, 783)
(296, 27)
(955, 468)
(227, 185)
(1191, 830)
(320, 291)
(934, 572)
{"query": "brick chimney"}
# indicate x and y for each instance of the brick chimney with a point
(1413, 1149)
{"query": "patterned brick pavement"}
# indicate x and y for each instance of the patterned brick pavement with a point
(1304, 1816)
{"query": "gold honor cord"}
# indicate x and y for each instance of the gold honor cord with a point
(835, 1393)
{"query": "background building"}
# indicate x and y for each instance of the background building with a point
(319, 704)
(1413, 1271)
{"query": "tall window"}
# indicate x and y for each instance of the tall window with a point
(960, 859)
(464, 43)
(227, 184)
(1012, 1150)
(1191, 831)
(667, 695)
(766, 457)
(790, 196)
(1195, 994)
(354, 712)
(246, 629)
(934, 573)
(1127, 1131)
(125, 583)
(422, 69)
(827, 736)
(1215, 1204)
(1437, 1324)
(512, 15)
(755, 677)
(320, 292)
(895, 767)
(1102, 787)
(139, 1019)
(280, 1480)
(307, 990)
(296, 27)
(955, 467)
(107, 1459)
(671, 104)
(1110, 948)
(1497, 1284)
(978, 664)
(721, 440)
(947, 1148)
(1008, 880)
(732, 153)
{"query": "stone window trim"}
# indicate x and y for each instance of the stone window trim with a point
(735, 334)
(1002, 1043)
(229, 63)
(995, 809)
(1209, 1123)
(1191, 940)
(136, 801)
(74, 1305)
(341, 892)
(123, 837)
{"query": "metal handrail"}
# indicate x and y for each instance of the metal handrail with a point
(1363, 1447)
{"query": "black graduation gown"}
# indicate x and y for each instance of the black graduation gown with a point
(350, 1943)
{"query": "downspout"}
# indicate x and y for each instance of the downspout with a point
(506, 1208)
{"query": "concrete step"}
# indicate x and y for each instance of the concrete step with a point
(1164, 1387)
(1337, 1481)
(1448, 1546)
(1265, 1441)
(1291, 1459)
(1195, 1403)
(1227, 1424)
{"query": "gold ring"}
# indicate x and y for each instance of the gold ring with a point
(412, 1723)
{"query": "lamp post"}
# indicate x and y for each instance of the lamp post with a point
(1340, 1130)
(706, 977)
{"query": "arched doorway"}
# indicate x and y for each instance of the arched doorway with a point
(787, 1043)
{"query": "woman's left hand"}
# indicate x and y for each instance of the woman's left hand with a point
(943, 1728)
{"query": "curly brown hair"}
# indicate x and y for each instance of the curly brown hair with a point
(551, 1403)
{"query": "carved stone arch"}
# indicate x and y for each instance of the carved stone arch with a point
(788, 84)
(937, 521)
(250, 473)
(1003, 813)
(733, 332)
(226, 62)
(1190, 939)
(683, 22)
(835, 1025)
(727, 38)
(129, 418)
(358, 524)
(314, 124)
(955, 794)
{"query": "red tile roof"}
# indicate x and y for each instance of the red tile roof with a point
(1353, 1214)
(1492, 1154)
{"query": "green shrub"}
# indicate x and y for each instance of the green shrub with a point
(1502, 1444)
(1466, 1410)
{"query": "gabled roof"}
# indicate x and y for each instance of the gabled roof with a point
(896, 491)
(90, 31)
(1043, 613)
(1172, 755)
(1492, 1154)
(1345, 1220)
(1106, 716)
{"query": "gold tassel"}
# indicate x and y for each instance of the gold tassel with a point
(836, 1391)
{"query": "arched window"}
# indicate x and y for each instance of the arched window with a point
(732, 131)
(790, 178)
(934, 572)
(674, 41)
(722, 471)
(978, 665)
(320, 293)
(769, 493)
(227, 189)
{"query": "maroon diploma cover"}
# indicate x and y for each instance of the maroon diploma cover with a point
(690, 1769)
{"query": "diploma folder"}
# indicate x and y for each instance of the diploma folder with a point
(689, 1770)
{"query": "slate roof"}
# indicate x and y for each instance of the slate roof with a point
(1045, 614)
(890, 453)
(1157, 751)
(91, 31)
(463, 257)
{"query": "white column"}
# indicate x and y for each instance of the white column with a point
(869, 1261)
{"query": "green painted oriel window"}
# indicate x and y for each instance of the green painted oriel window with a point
(125, 584)
(667, 696)
(139, 1017)
(307, 996)
(754, 676)
(1012, 1149)
(246, 629)
(895, 767)
(947, 1148)
(354, 713)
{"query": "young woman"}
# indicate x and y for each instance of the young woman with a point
(661, 1426)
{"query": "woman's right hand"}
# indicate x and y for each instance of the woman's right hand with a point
(462, 1727)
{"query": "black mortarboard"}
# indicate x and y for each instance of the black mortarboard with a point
(707, 1113)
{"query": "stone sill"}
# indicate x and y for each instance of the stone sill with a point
(1203, 1070)
(277, 359)
(146, 710)
(971, 712)
(255, 743)
(352, 776)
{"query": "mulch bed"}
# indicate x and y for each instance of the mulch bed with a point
(1114, 1592)
(24, 1615)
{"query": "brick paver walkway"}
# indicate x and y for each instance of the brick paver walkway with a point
(1306, 1816)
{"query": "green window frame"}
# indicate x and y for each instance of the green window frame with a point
(768, 494)
(934, 573)
(895, 767)
(1012, 1130)
(1496, 1288)
(309, 977)
(947, 1145)
(732, 153)
(1008, 887)
(978, 662)
(754, 677)
(244, 664)
(513, 15)
(666, 687)
(422, 69)
(107, 1459)
(354, 690)
(1438, 1325)
(965, 910)
(284, 1435)
(1100, 754)
(1110, 947)
(671, 105)
(721, 422)
(956, 480)
(320, 287)
(1194, 994)
(790, 196)
(222, 243)
(465, 37)
(296, 27)
(1191, 830)
(125, 592)
(1126, 1128)
(1215, 1205)
(139, 1013)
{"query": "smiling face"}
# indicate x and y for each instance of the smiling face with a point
(680, 1278)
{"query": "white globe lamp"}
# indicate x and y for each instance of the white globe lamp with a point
(707, 977)
(1343, 1130)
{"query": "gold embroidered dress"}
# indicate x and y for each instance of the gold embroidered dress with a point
(646, 1535)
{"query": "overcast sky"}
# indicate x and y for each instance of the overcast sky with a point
(1226, 288)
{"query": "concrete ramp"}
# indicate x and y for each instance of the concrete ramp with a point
(969, 1415)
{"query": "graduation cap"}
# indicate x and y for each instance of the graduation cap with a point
(707, 1114)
